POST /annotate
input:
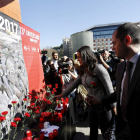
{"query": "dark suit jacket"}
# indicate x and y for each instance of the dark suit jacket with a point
(133, 101)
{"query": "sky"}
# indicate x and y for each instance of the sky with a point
(57, 19)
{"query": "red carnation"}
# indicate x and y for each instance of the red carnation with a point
(47, 94)
(32, 104)
(17, 119)
(30, 93)
(30, 96)
(37, 111)
(29, 107)
(45, 99)
(43, 86)
(27, 114)
(38, 107)
(25, 99)
(41, 90)
(2, 118)
(49, 102)
(13, 124)
(93, 83)
(52, 92)
(56, 84)
(50, 85)
(36, 97)
(4, 113)
(14, 102)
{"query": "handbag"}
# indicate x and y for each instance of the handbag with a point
(110, 132)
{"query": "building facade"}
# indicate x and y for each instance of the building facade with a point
(102, 35)
(67, 47)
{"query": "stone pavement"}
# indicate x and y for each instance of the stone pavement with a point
(82, 130)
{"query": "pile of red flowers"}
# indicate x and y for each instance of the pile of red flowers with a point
(45, 114)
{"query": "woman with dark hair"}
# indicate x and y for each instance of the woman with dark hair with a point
(95, 78)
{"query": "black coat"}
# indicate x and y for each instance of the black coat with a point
(133, 101)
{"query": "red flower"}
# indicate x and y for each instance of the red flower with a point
(32, 104)
(50, 85)
(45, 99)
(17, 119)
(49, 102)
(36, 97)
(45, 114)
(56, 84)
(43, 87)
(13, 124)
(29, 107)
(37, 111)
(30, 96)
(47, 94)
(56, 87)
(14, 102)
(30, 93)
(25, 99)
(27, 114)
(2, 118)
(4, 113)
(52, 92)
(38, 107)
(41, 90)
(93, 83)
(38, 93)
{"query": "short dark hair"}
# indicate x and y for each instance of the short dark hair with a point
(130, 29)
(54, 53)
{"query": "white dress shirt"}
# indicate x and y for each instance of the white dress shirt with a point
(134, 60)
(55, 64)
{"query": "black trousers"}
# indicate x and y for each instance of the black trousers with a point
(98, 118)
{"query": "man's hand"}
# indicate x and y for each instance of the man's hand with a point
(93, 100)
(57, 96)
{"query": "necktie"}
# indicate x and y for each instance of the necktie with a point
(125, 89)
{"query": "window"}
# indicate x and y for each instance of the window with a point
(106, 39)
(94, 41)
(106, 43)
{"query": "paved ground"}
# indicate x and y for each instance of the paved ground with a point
(82, 130)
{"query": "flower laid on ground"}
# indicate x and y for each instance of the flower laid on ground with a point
(93, 84)
(45, 114)
(4, 113)
(49, 102)
(25, 99)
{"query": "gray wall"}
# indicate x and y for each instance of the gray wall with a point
(81, 39)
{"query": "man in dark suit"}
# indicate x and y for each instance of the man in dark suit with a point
(126, 43)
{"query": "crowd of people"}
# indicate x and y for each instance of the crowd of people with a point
(111, 83)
